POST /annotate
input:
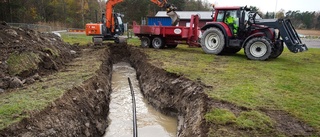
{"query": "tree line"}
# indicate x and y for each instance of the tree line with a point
(69, 13)
(300, 20)
(76, 13)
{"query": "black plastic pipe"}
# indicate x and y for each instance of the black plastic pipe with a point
(135, 131)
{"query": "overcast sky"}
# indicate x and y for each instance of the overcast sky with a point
(270, 5)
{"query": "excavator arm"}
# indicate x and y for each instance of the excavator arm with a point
(160, 3)
(170, 8)
(111, 3)
(109, 13)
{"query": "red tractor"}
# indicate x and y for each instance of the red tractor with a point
(261, 38)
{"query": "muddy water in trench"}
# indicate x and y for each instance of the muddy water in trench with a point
(150, 122)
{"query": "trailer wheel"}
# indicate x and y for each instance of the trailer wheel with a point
(145, 42)
(258, 48)
(277, 50)
(157, 43)
(212, 41)
(171, 46)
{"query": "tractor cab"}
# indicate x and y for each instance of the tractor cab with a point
(237, 18)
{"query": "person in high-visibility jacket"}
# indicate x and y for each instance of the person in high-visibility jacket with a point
(231, 22)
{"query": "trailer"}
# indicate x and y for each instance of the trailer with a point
(158, 36)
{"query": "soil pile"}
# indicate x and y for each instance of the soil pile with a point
(25, 55)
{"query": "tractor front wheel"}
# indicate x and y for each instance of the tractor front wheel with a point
(258, 48)
(212, 41)
(277, 49)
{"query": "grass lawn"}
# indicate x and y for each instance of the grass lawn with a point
(290, 82)
(80, 38)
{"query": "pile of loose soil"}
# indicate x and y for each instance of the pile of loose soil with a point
(26, 55)
(80, 111)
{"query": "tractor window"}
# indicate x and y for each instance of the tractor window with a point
(246, 17)
(233, 13)
(220, 16)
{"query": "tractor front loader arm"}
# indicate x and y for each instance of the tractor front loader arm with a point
(287, 32)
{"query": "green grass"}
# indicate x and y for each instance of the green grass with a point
(17, 104)
(254, 120)
(19, 62)
(220, 116)
(247, 120)
(290, 83)
(134, 41)
(82, 39)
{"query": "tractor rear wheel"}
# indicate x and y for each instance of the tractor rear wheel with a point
(277, 50)
(145, 42)
(258, 48)
(212, 41)
(158, 43)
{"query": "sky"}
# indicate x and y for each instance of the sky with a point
(273, 5)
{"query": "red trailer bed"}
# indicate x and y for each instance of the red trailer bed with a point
(170, 36)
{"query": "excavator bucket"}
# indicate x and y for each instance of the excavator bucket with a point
(171, 12)
(174, 17)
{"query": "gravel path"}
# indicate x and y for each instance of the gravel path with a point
(311, 43)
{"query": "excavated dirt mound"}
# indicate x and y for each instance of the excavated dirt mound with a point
(80, 111)
(25, 55)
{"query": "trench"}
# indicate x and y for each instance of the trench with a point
(150, 122)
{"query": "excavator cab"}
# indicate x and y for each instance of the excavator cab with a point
(119, 26)
(101, 32)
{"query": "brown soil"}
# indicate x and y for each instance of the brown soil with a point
(52, 52)
(83, 110)
(309, 32)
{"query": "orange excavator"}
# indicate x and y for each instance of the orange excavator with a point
(111, 26)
